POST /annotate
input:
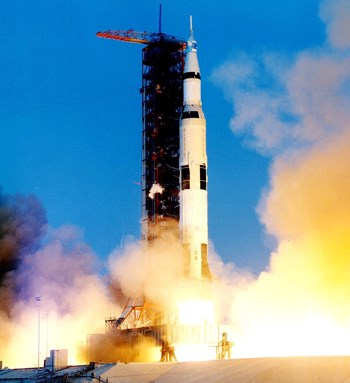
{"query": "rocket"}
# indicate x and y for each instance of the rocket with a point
(193, 169)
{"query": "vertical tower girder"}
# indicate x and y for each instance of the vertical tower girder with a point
(162, 67)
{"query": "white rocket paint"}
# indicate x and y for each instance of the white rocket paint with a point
(193, 157)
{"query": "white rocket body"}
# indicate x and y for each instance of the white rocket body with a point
(193, 170)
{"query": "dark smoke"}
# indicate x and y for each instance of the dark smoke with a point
(22, 226)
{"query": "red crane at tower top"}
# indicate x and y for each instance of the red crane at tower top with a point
(132, 36)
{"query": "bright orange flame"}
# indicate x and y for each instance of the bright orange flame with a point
(316, 335)
(196, 319)
(196, 312)
(195, 352)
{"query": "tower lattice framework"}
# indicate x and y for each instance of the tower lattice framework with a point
(162, 99)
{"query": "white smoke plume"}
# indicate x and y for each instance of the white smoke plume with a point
(336, 15)
(62, 270)
(297, 111)
(156, 188)
(153, 270)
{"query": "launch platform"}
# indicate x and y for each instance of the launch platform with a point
(323, 369)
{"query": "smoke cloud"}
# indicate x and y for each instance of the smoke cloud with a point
(156, 188)
(296, 110)
(336, 16)
(52, 274)
(22, 225)
(153, 270)
(60, 269)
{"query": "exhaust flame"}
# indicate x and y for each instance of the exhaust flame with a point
(196, 312)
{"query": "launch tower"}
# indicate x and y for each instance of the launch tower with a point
(162, 103)
(162, 67)
(162, 100)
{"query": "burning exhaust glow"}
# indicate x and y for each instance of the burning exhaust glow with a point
(316, 336)
(196, 312)
(193, 352)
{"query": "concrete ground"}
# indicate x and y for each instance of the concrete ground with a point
(334, 369)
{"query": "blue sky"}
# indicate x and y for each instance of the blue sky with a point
(70, 114)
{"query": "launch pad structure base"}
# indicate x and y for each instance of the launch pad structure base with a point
(323, 369)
